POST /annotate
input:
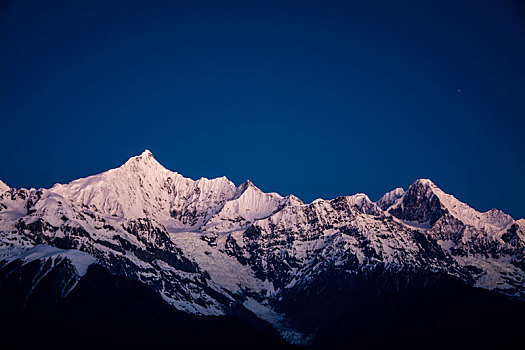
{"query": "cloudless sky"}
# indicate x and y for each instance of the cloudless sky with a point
(314, 98)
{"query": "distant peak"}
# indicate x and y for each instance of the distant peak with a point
(145, 159)
(144, 155)
(294, 200)
(398, 190)
(358, 199)
(424, 182)
(423, 186)
(390, 198)
(245, 186)
(3, 187)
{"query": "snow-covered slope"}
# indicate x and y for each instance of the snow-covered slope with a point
(363, 203)
(144, 188)
(208, 247)
(247, 205)
(521, 226)
(390, 198)
(425, 202)
(3, 187)
(80, 260)
(489, 244)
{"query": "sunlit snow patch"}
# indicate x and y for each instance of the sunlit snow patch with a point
(78, 259)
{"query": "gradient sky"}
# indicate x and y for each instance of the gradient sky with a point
(318, 99)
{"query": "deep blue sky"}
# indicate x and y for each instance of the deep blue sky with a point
(318, 99)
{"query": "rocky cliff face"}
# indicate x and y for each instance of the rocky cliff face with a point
(208, 247)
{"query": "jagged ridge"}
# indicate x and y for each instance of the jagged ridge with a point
(206, 245)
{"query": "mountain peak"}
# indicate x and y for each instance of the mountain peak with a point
(144, 160)
(419, 204)
(363, 203)
(424, 182)
(3, 187)
(293, 200)
(245, 186)
(424, 202)
(390, 198)
(146, 155)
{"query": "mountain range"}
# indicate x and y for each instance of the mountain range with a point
(247, 267)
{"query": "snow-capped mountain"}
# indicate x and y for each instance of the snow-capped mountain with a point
(144, 188)
(209, 247)
(390, 198)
